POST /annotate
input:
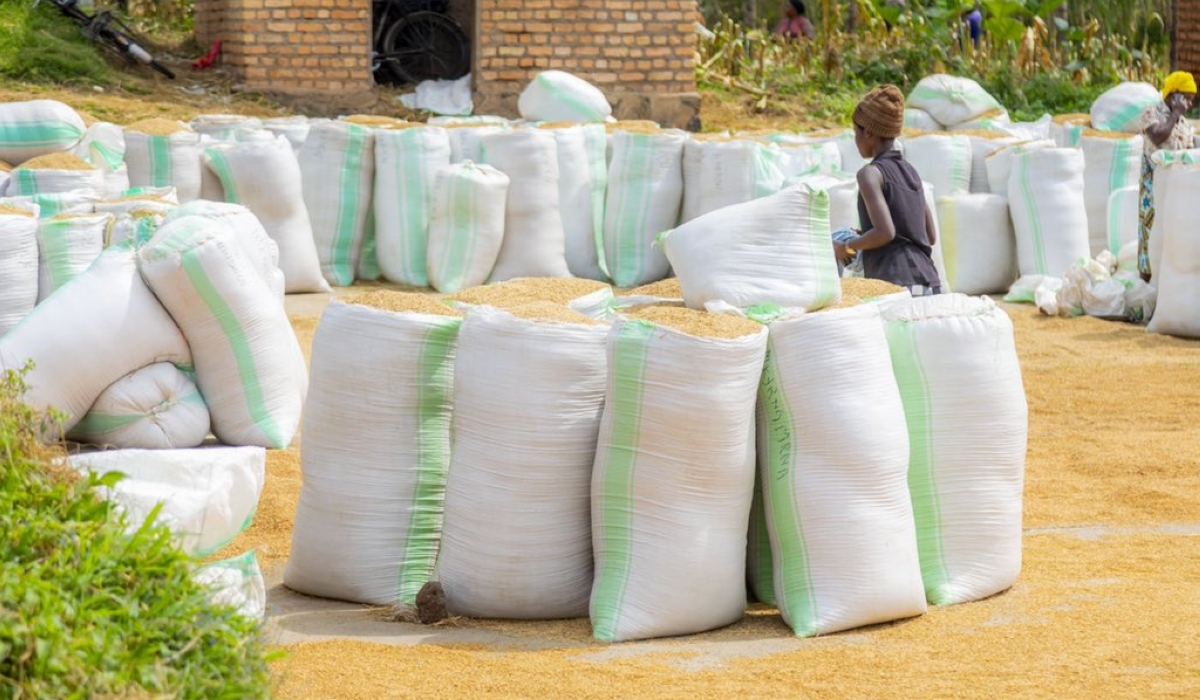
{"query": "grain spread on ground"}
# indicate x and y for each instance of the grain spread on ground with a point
(692, 322)
(388, 300)
(664, 289)
(560, 290)
(549, 311)
(57, 161)
(157, 127)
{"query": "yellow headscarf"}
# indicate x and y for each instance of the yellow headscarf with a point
(1179, 81)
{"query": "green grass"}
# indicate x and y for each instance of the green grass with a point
(42, 45)
(89, 609)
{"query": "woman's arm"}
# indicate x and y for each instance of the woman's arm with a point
(1159, 132)
(930, 226)
(883, 229)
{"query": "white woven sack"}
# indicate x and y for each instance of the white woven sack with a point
(30, 181)
(157, 407)
(51, 205)
(1177, 275)
(981, 147)
(979, 247)
(237, 583)
(517, 539)
(37, 128)
(673, 482)
(557, 96)
(265, 178)
(293, 128)
(466, 140)
(582, 181)
(723, 173)
(104, 147)
(18, 266)
(942, 160)
(208, 494)
(991, 120)
(337, 167)
(1108, 165)
(1048, 211)
(249, 234)
(1066, 130)
(852, 160)
(406, 161)
(1122, 226)
(70, 337)
(534, 240)
(956, 365)
(162, 161)
(998, 163)
(5, 176)
(939, 262)
(1166, 164)
(1120, 107)
(249, 366)
(645, 191)
(68, 246)
(376, 451)
(920, 119)
(838, 511)
(224, 127)
(773, 250)
(803, 157)
(951, 100)
(466, 225)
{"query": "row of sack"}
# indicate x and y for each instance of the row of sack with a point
(545, 468)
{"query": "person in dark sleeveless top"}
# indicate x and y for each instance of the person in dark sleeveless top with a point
(898, 232)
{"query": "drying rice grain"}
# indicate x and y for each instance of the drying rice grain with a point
(557, 125)
(371, 120)
(521, 290)
(981, 133)
(388, 300)
(1076, 119)
(697, 323)
(57, 161)
(9, 210)
(158, 127)
(867, 288)
(1113, 135)
(634, 126)
(665, 289)
(5, 167)
(549, 311)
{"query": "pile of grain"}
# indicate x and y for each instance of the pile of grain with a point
(634, 126)
(9, 210)
(1074, 119)
(868, 288)
(57, 161)
(560, 290)
(388, 300)
(980, 133)
(698, 323)
(557, 125)
(158, 127)
(371, 120)
(5, 167)
(664, 289)
(1113, 135)
(549, 311)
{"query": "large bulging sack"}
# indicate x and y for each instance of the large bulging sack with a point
(1049, 213)
(774, 250)
(37, 127)
(18, 265)
(70, 337)
(557, 96)
(249, 366)
(836, 567)
(979, 248)
(1122, 224)
(582, 181)
(956, 364)
(376, 451)
(264, 177)
(719, 173)
(998, 163)
(55, 174)
(249, 233)
(165, 160)
(920, 119)
(51, 205)
(1166, 164)
(982, 145)
(645, 191)
(466, 139)
(466, 225)
(104, 147)
(673, 480)
(68, 245)
(942, 160)
(951, 100)
(337, 167)
(1177, 274)
(157, 407)
(406, 166)
(517, 541)
(1120, 107)
(1111, 161)
(534, 242)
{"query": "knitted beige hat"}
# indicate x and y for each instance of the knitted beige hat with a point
(881, 112)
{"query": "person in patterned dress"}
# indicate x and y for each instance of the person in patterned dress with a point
(1163, 127)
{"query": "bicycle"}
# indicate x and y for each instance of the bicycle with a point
(415, 40)
(110, 33)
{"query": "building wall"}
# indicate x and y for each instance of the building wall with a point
(1185, 47)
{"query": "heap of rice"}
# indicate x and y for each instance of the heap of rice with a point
(664, 289)
(522, 290)
(57, 161)
(695, 323)
(158, 127)
(549, 311)
(388, 300)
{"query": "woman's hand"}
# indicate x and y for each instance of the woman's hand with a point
(1177, 103)
(843, 253)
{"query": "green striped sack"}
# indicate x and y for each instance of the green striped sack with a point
(645, 191)
(236, 582)
(376, 453)
(67, 247)
(1049, 213)
(32, 181)
(157, 407)
(1109, 165)
(172, 160)
(36, 128)
(466, 225)
(18, 266)
(337, 167)
(406, 162)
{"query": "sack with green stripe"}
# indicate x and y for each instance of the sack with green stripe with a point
(998, 163)
(517, 541)
(645, 192)
(802, 155)
(1166, 164)
(558, 96)
(981, 147)
(37, 128)
(673, 481)
(165, 160)
(208, 495)
(1177, 276)
(337, 167)
(248, 232)
(236, 582)
(157, 407)
(100, 326)
(582, 181)
(40, 180)
(249, 366)
(773, 250)
(1120, 107)
(956, 365)
(406, 163)
(264, 177)
(951, 100)
(979, 250)
(1111, 161)
(942, 160)
(51, 205)
(720, 173)
(1122, 225)
(68, 245)
(1046, 199)
(104, 147)
(376, 450)
(18, 264)
(466, 225)
(833, 459)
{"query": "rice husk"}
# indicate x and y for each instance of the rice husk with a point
(57, 161)
(864, 288)
(696, 323)
(1073, 119)
(9, 210)
(549, 311)
(371, 120)
(388, 300)
(5, 167)
(665, 289)
(558, 125)
(634, 126)
(158, 127)
(1110, 135)
(560, 290)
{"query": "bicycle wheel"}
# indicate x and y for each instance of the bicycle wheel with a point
(427, 46)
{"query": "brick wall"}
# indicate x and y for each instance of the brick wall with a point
(1185, 44)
